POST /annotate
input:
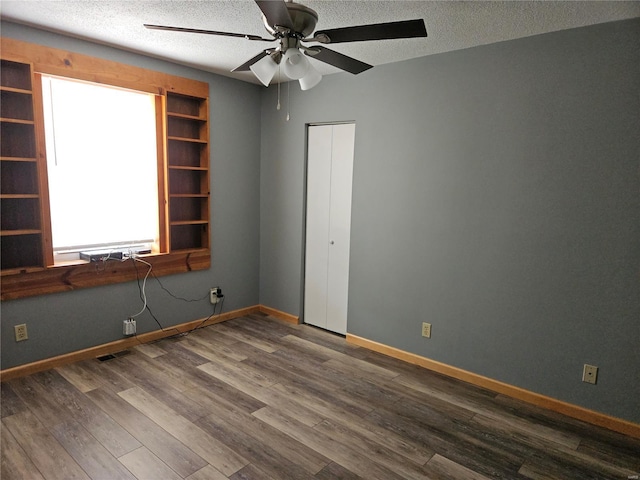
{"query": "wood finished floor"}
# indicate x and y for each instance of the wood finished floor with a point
(254, 398)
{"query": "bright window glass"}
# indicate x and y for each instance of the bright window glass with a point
(102, 165)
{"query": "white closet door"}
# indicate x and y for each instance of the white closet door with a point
(329, 184)
(317, 243)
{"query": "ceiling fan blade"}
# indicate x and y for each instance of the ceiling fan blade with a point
(378, 31)
(245, 66)
(336, 59)
(276, 13)
(207, 32)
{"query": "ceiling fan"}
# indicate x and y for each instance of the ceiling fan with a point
(291, 24)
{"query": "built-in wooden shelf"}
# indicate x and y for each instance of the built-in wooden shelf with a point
(188, 172)
(21, 248)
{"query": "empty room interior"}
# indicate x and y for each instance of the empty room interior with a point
(402, 240)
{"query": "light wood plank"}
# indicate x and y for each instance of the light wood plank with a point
(207, 473)
(281, 443)
(146, 466)
(265, 395)
(246, 338)
(326, 445)
(157, 440)
(79, 377)
(149, 377)
(360, 368)
(151, 350)
(210, 350)
(215, 452)
(442, 467)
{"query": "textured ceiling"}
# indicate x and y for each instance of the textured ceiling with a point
(451, 25)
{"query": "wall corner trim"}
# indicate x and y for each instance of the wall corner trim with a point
(285, 317)
(590, 416)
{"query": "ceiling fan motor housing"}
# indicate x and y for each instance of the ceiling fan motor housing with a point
(303, 20)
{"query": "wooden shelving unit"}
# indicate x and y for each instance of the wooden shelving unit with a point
(20, 199)
(188, 172)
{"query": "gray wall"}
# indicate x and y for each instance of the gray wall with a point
(65, 322)
(496, 196)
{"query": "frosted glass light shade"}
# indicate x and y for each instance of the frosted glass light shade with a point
(264, 69)
(311, 79)
(295, 64)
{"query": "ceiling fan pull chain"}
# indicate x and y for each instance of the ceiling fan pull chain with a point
(278, 106)
(288, 109)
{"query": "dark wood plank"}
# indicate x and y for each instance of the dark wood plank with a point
(250, 472)
(94, 459)
(43, 449)
(83, 411)
(375, 451)
(10, 403)
(49, 411)
(481, 406)
(150, 376)
(333, 471)
(157, 440)
(15, 461)
(265, 434)
(258, 453)
(453, 442)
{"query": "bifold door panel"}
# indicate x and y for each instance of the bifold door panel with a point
(328, 225)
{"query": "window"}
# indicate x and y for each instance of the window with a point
(48, 191)
(107, 159)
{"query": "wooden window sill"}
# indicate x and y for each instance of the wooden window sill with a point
(62, 278)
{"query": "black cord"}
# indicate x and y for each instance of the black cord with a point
(200, 325)
(175, 296)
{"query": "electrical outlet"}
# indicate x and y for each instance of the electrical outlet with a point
(215, 295)
(129, 326)
(589, 374)
(21, 332)
(426, 330)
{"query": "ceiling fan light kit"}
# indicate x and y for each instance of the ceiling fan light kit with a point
(264, 69)
(311, 79)
(295, 65)
(289, 24)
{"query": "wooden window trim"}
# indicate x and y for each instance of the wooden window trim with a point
(18, 283)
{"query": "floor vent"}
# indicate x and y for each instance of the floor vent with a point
(111, 356)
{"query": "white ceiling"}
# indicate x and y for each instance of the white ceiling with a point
(451, 25)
